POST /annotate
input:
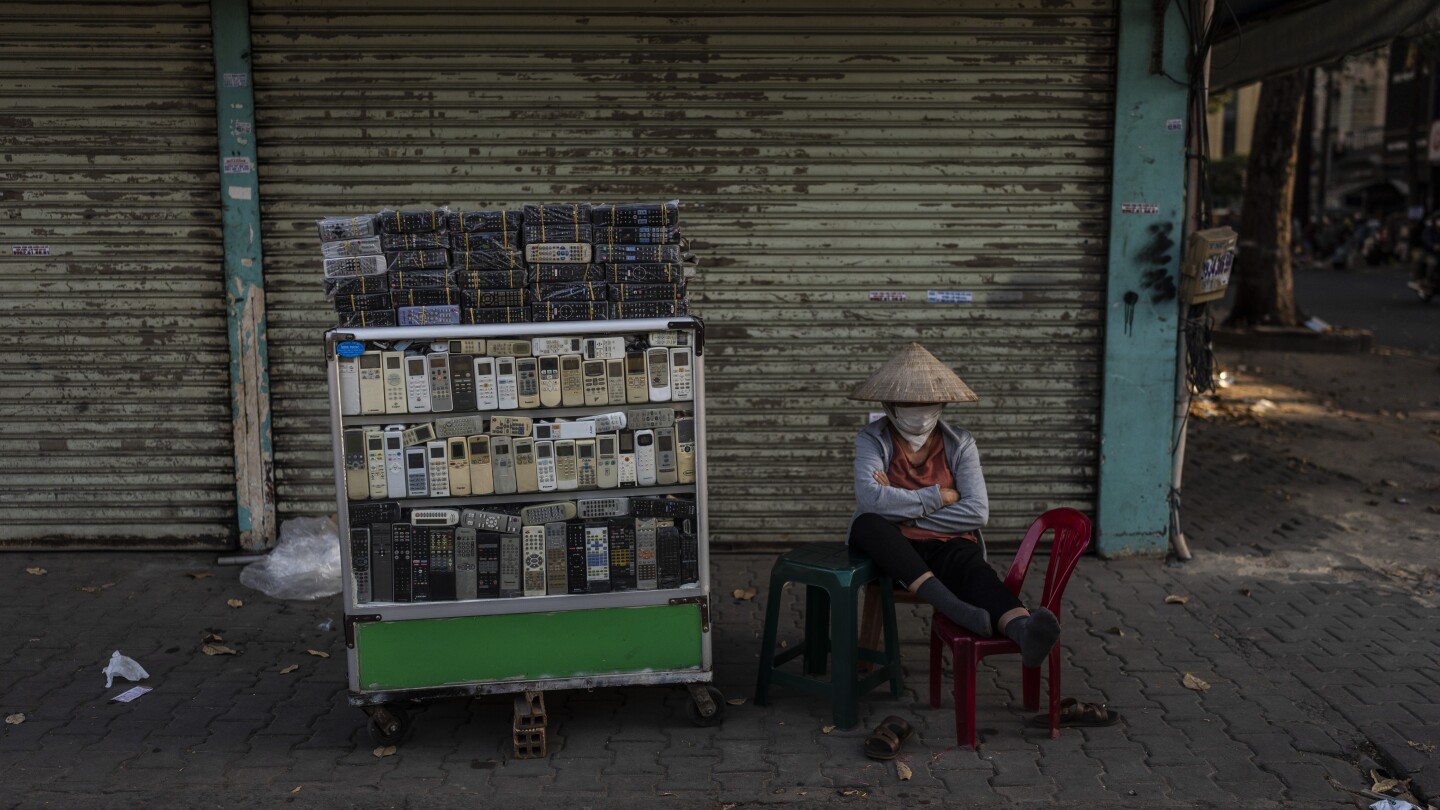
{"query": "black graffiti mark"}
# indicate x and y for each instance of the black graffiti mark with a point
(1130, 298)
(1160, 285)
(1158, 251)
(1156, 255)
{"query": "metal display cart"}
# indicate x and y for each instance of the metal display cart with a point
(400, 652)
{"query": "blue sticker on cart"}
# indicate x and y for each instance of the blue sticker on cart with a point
(350, 348)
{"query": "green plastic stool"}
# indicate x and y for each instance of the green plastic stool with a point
(833, 576)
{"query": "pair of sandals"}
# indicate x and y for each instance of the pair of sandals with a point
(885, 741)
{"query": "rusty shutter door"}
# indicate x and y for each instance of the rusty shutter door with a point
(116, 402)
(823, 151)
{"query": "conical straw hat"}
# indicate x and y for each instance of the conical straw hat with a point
(914, 375)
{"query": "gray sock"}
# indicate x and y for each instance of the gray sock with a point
(955, 609)
(1035, 634)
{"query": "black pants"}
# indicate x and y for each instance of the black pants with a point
(958, 564)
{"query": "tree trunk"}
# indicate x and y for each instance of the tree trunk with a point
(1265, 289)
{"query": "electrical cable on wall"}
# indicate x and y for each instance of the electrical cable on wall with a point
(1199, 353)
(1197, 359)
(1198, 324)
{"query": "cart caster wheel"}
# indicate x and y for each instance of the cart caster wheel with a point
(389, 725)
(706, 706)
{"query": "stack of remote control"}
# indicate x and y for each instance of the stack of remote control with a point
(417, 257)
(557, 244)
(547, 549)
(355, 268)
(489, 268)
(639, 247)
(543, 262)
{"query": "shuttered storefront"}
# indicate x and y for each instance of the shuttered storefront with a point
(114, 412)
(824, 152)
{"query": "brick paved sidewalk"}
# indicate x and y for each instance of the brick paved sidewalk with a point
(1317, 674)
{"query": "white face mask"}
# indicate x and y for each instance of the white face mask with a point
(915, 422)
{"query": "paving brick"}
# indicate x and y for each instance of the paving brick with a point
(1191, 783)
(967, 783)
(1150, 792)
(1274, 746)
(797, 770)
(1205, 733)
(1307, 780)
(579, 775)
(1027, 794)
(634, 758)
(1016, 769)
(682, 773)
(740, 782)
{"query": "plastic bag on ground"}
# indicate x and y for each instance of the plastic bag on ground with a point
(304, 565)
(124, 667)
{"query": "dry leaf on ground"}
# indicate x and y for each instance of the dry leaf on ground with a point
(904, 770)
(1382, 782)
(289, 669)
(1176, 599)
(216, 649)
(212, 636)
(318, 653)
(384, 751)
(14, 719)
(826, 729)
(1190, 681)
(736, 701)
(96, 588)
(745, 593)
(200, 574)
(37, 571)
(1420, 746)
(235, 603)
(856, 792)
(296, 789)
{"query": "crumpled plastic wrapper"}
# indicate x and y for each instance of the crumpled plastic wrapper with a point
(304, 565)
(124, 667)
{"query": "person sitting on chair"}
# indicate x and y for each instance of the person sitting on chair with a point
(921, 501)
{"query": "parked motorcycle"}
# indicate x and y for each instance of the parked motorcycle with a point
(1427, 284)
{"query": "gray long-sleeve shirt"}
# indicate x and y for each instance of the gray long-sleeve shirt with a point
(921, 508)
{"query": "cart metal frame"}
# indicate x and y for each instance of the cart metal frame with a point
(380, 703)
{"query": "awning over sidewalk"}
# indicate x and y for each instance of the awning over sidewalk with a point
(1278, 36)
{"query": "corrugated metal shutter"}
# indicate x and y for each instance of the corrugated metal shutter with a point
(823, 150)
(115, 411)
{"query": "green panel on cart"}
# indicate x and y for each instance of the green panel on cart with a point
(420, 653)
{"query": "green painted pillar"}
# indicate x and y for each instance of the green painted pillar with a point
(1147, 214)
(244, 279)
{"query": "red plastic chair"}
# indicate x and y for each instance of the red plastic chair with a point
(1072, 537)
